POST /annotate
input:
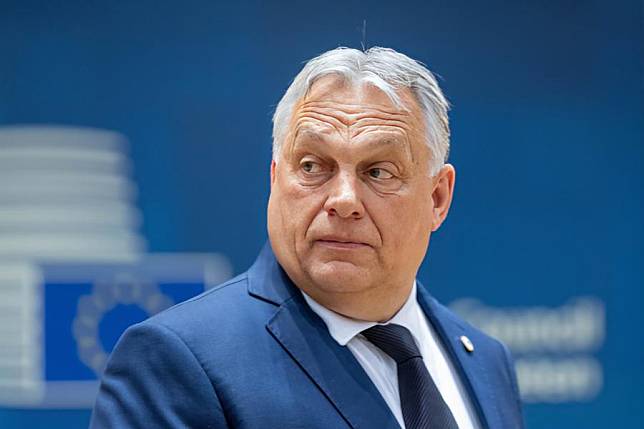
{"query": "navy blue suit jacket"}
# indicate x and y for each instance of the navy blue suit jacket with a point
(251, 354)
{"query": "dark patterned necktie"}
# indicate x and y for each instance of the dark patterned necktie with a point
(422, 405)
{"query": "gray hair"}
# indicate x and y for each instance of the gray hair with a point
(388, 71)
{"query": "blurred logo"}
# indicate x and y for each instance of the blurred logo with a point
(105, 296)
(74, 271)
(553, 347)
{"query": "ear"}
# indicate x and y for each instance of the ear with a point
(273, 165)
(442, 194)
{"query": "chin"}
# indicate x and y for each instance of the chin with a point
(340, 276)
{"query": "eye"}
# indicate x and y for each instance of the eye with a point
(379, 173)
(310, 167)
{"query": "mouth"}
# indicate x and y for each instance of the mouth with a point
(339, 243)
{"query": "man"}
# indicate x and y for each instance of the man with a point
(329, 328)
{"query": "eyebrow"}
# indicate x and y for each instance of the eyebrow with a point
(305, 132)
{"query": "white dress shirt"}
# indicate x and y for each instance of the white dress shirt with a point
(382, 369)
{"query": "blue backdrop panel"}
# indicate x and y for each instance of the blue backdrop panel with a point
(68, 317)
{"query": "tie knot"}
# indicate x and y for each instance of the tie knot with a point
(395, 340)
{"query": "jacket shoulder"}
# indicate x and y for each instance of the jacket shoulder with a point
(224, 315)
(226, 296)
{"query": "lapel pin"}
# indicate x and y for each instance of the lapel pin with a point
(467, 344)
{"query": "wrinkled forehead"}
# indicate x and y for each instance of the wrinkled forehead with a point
(333, 102)
(358, 113)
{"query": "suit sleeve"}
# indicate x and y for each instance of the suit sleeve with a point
(153, 380)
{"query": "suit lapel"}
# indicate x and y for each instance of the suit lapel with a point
(331, 367)
(306, 339)
(469, 365)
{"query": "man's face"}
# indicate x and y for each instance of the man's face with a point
(351, 206)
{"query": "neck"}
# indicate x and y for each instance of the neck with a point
(375, 306)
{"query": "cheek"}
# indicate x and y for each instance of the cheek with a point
(299, 207)
(403, 223)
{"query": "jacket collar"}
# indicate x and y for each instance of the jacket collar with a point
(268, 281)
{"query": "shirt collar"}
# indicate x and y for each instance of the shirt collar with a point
(343, 329)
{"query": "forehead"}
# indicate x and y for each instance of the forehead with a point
(333, 105)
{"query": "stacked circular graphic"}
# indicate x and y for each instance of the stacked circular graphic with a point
(65, 194)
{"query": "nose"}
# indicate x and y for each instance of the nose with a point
(344, 199)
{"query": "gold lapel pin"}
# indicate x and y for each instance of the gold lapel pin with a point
(467, 344)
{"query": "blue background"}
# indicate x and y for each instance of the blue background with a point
(547, 123)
